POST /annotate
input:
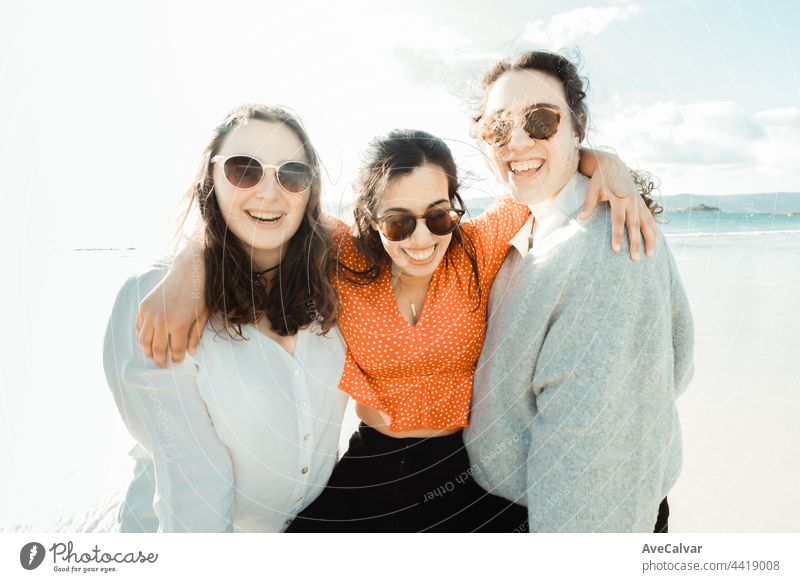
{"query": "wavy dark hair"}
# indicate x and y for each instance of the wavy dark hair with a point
(301, 293)
(386, 159)
(566, 72)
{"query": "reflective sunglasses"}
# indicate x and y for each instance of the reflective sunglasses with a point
(247, 172)
(397, 226)
(539, 122)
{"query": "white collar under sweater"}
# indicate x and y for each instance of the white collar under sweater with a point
(552, 213)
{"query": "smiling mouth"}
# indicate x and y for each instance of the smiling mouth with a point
(265, 217)
(421, 257)
(526, 167)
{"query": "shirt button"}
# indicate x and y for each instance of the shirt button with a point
(299, 499)
(304, 470)
(296, 372)
(307, 436)
(288, 522)
(303, 403)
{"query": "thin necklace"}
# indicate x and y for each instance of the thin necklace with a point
(401, 290)
(265, 271)
(410, 302)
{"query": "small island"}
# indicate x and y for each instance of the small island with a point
(698, 208)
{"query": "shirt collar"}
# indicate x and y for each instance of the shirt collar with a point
(552, 213)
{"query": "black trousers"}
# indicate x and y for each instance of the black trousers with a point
(662, 521)
(384, 484)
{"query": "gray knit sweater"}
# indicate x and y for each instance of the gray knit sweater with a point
(573, 406)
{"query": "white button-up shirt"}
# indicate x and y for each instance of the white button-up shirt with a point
(241, 437)
(549, 215)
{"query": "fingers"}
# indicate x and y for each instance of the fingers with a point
(160, 345)
(593, 192)
(194, 338)
(182, 340)
(196, 332)
(649, 228)
(146, 332)
(618, 215)
(634, 236)
(202, 320)
(177, 344)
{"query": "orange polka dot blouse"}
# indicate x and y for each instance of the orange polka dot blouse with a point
(421, 376)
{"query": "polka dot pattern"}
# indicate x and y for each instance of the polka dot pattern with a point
(421, 376)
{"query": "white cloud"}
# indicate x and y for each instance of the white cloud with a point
(712, 132)
(783, 117)
(434, 53)
(706, 143)
(565, 28)
(780, 149)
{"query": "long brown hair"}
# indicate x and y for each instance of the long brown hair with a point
(301, 292)
(565, 71)
(387, 158)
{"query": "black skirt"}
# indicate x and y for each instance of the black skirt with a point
(384, 484)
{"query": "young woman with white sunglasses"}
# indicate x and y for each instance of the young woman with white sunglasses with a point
(243, 434)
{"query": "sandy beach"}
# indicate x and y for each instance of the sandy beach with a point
(739, 415)
(65, 446)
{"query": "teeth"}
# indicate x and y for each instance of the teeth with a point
(421, 256)
(526, 165)
(264, 216)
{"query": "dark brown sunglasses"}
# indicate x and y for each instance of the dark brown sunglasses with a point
(539, 122)
(397, 226)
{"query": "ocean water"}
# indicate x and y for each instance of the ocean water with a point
(64, 452)
(722, 224)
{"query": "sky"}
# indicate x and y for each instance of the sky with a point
(106, 107)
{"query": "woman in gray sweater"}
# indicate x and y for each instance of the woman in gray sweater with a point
(573, 406)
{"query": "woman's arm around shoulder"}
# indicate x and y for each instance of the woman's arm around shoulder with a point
(164, 411)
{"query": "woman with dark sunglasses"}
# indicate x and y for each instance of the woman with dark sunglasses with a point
(413, 285)
(243, 434)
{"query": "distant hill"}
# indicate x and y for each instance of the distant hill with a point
(769, 203)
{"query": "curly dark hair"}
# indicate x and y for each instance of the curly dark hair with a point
(387, 158)
(566, 72)
(301, 293)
